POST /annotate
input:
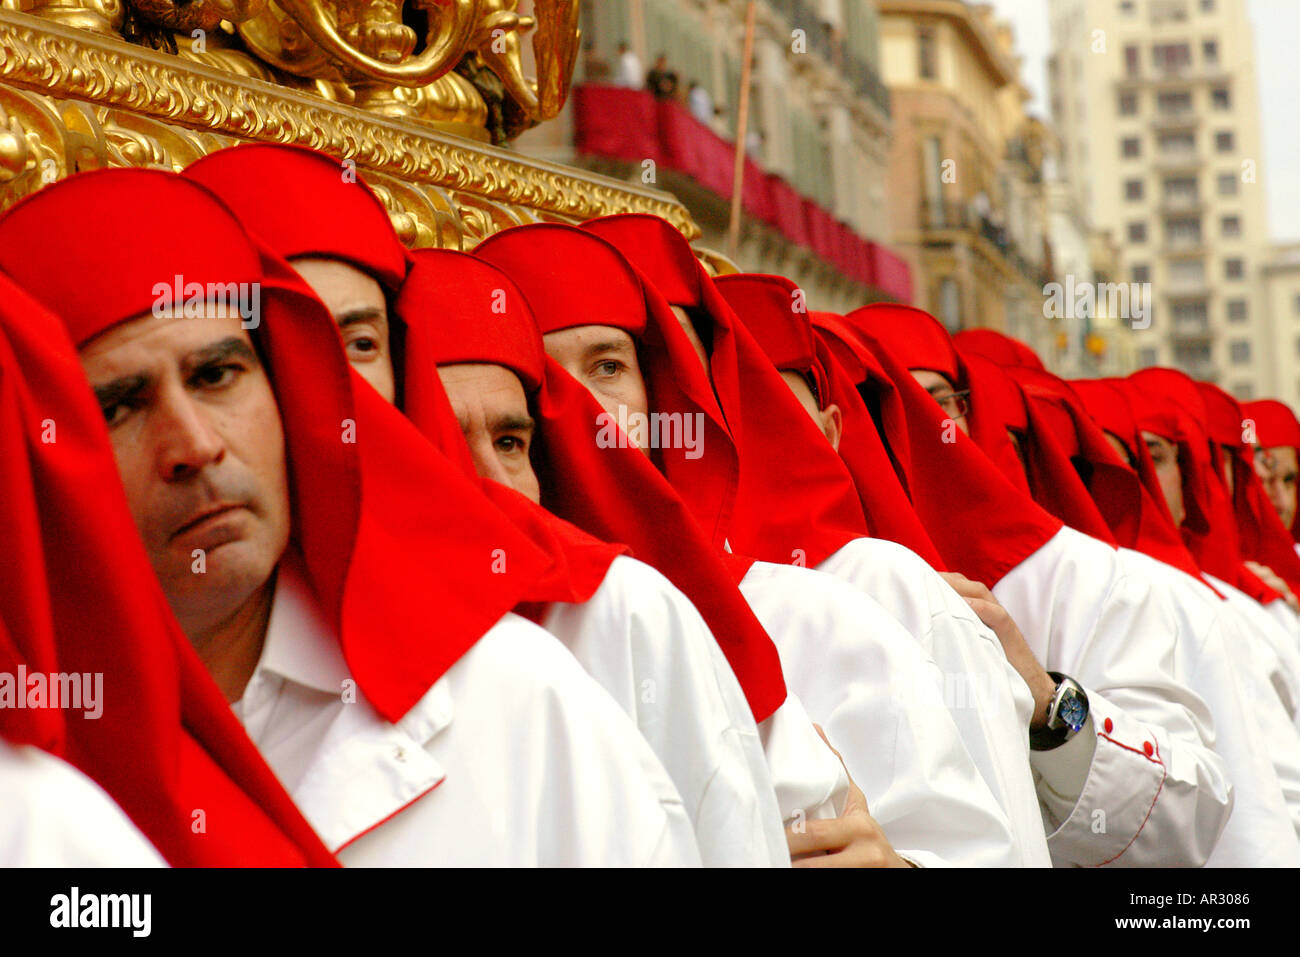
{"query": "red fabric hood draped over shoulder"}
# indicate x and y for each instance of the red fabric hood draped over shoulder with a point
(78, 596)
(570, 278)
(1057, 441)
(982, 524)
(1261, 535)
(787, 508)
(1108, 405)
(396, 544)
(457, 308)
(1275, 426)
(773, 309)
(1167, 403)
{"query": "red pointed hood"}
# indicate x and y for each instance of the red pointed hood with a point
(391, 536)
(78, 596)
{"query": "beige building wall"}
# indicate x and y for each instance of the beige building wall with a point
(1157, 107)
(1280, 287)
(967, 199)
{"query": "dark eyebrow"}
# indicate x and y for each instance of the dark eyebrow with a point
(610, 345)
(216, 352)
(510, 422)
(363, 314)
(121, 389)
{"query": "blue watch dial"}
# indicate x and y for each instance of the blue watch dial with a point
(1073, 712)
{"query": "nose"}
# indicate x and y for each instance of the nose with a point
(188, 441)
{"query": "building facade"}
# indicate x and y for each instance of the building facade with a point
(969, 203)
(1157, 106)
(819, 129)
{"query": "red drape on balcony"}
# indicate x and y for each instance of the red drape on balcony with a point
(632, 126)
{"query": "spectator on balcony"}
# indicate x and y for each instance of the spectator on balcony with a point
(629, 67)
(700, 103)
(595, 68)
(661, 81)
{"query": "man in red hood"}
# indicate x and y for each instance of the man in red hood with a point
(346, 587)
(580, 286)
(1277, 456)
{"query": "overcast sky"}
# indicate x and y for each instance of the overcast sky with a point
(1277, 27)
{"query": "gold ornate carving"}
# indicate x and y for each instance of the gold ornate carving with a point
(71, 101)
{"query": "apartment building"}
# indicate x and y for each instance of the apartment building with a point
(1157, 108)
(969, 203)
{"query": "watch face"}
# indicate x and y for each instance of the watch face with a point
(1073, 711)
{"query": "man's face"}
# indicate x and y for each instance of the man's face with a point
(357, 303)
(492, 408)
(829, 419)
(1277, 468)
(603, 359)
(1164, 455)
(200, 448)
(943, 392)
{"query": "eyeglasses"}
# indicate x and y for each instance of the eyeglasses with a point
(956, 404)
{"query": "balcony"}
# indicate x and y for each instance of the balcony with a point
(1192, 330)
(1185, 289)
(1181, 203)
(803, 15)
(936, 217)
(1180, 120)
(1184, 246)
(1174, 161)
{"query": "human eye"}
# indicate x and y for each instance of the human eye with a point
(607, 368)
(511, 444)
(217, 375)
(362, 346)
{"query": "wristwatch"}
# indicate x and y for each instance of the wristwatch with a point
(1066, 714)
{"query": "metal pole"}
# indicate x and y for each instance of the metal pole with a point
(742, 127)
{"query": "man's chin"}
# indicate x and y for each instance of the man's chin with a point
(213, 585)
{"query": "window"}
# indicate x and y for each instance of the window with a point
(1133, 190)
(926, 53)
(1184, 273)
(1180, 191)
(1227, 184)
(1239, 350)
(1183, 231)
(1131, 146)
(1234, 268)
(1128, 104)
(950, 303)
(1237, 310)
(1244, 391)
(1224, 141)
(1172, 59)
(1207, 6)
(1210, 49)
(1132, 60)
(1137, 232)
(1148, 356)
(1127, 7)
(1177, 143)
(1230, 226)
(1297, 305)
(1222, 98)
(1175, 103)
(1142, 273)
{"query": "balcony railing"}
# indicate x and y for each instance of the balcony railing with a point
(935, 216)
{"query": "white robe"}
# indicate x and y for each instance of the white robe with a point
(1252, 734)
(988, 700)
(879, 699)
(514, 757)
(55, 816)
(1140, 785)
(1274, 645)
(645, 644)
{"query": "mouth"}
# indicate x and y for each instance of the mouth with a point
(202, 520)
